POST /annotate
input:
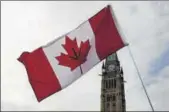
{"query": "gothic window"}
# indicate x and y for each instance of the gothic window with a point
(106, 84)
(119, 94)
(110, 83)
(114, 98)
(108, 98)
(105, 105)
(108, 105)
(114, 83)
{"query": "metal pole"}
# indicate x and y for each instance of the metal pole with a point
(141, 80)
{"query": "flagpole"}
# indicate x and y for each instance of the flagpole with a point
(126, 44)
(141, 79)
(81, 69)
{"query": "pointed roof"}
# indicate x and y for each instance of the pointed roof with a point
(103, 66)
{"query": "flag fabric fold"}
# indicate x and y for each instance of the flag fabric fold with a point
(52, 67)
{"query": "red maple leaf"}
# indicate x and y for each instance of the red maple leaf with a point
(76, 56)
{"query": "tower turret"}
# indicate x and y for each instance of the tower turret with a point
(103, 68)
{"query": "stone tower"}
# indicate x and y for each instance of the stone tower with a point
(112, 85)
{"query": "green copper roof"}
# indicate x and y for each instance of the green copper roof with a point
(112, 57)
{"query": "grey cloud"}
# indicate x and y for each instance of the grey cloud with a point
(143, 26)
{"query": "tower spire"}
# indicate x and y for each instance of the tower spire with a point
(103, 66)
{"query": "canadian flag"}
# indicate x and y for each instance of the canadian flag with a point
(58, 64)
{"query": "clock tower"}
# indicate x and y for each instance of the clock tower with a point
(112, 85)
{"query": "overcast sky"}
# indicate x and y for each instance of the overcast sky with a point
(28, 25)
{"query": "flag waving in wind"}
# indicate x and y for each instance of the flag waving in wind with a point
(56, 65)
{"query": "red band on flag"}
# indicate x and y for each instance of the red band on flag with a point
(107, 37)
(40, 73)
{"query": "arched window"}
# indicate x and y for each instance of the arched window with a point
(115, 83)
(114, 98)
(108, 105)
(110, 83)
(106, 83)
(108, 98)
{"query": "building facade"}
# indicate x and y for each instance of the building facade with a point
(112, 85)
